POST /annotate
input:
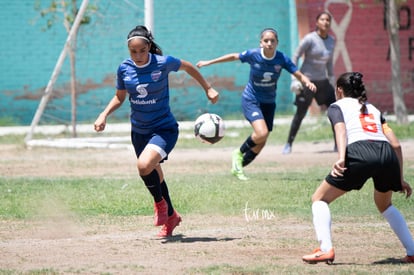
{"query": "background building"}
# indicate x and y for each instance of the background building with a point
(192, 30)
(363, 44)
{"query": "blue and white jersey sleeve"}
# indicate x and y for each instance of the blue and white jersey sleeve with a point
(264, 73)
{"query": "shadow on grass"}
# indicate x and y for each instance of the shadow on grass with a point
(183, 239)
(326, 152)
(389, 261)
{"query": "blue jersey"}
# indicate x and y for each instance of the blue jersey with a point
(264, 74)
(148, 91)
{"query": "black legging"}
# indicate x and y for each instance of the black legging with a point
(325, 95)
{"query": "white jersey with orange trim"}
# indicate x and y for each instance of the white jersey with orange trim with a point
(359, 126)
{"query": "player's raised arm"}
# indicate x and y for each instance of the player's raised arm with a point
(225, 58)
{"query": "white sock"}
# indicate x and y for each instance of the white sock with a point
(400, 228)
(322, 224)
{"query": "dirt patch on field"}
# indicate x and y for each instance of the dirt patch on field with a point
(17, 161)
(203, 244)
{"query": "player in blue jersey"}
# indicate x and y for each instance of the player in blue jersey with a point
(317, 49)
(154, 130)
(259, 96)
(367, 148)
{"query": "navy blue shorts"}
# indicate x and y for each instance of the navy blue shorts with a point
(369, 159)
(162, 141)
(254, 110)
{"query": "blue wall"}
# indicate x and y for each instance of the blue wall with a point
(188, 29)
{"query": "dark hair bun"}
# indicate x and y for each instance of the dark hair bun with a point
(356, 81)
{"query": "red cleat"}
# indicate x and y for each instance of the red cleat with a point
(161, 213)
(173, 222)
(408, 260)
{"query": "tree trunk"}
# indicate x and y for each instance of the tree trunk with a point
(72, 61)
(72, 54)
(73, 30)
(400, 109)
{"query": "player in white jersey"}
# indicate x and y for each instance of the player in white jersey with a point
(367, 148)
(259, 96)
(154, 130)
(317, 49)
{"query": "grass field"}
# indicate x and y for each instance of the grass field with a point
(65, 211)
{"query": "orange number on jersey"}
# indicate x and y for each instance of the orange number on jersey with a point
(368, 123)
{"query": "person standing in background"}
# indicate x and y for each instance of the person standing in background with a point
(317, 49)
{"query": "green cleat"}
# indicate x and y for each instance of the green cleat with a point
(237, 165)
(239, 175)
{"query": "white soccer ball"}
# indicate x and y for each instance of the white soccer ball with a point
(296, 86)
(209, 128)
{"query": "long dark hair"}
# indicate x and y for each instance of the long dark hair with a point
(269, 30)
(322, 13)
(144, 32)
(353, 86)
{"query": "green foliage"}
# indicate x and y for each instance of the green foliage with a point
(58, 11)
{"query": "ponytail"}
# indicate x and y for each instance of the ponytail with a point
(353, 86)
(142, 32)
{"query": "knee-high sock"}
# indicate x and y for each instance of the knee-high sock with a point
(166, 196)
(322, 224)
(248, 157)
(152, 182)
(247, 145)
(400, 228)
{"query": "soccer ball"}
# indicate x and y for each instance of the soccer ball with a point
(209, 128)
(295, 86)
